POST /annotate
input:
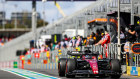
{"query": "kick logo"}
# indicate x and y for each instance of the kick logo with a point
(134, 71)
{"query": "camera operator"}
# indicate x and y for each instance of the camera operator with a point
(130, 38)
(131, 34)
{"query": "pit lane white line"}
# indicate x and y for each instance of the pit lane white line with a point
(29, 74)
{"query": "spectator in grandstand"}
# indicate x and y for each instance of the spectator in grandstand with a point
(2, 40)
(6, 39)
(104, 42)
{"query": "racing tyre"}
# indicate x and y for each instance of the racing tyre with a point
(70, 66)
(62, 66)
(116, 67)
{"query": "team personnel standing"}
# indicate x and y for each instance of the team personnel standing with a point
(104, 42)
(79, 41)
(72, 42)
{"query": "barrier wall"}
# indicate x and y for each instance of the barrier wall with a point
(133, 70)
(49, 59)
(11, 64)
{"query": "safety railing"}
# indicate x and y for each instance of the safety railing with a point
(49, 59)
(53, 56)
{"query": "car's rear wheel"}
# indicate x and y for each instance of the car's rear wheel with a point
(116, 67)
(62, 66)
(70, 66)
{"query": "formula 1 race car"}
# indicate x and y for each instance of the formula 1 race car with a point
(88, 65)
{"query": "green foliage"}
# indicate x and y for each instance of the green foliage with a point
(26, 23)
(0, 26)
(40, 23)
(8, 26)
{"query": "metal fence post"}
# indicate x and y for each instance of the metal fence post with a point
(115, 54)
(130, 55)
(108, 52)
(137, 60)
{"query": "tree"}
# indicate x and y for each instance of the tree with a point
(9, 25)
(40, 23)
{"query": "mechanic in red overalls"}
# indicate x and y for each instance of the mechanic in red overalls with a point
(104, 42)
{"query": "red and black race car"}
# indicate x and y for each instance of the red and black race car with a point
(88, 65)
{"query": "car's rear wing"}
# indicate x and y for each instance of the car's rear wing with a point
(75, 53)
(79, 53)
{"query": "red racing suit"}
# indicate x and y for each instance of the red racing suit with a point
(106, 41)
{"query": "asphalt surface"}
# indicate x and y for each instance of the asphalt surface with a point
(7, 75)
(55, 74)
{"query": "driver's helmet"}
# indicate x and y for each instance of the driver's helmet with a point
(87, 57)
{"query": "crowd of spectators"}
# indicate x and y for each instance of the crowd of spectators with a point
(4, 39)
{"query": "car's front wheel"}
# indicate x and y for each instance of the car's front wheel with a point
(70, 66)
(116, 67)
(62, 66)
